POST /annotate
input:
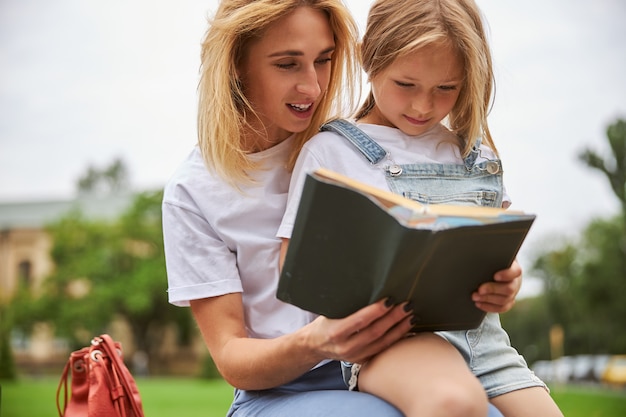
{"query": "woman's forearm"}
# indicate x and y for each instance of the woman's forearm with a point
(249, 363)
(255, 364)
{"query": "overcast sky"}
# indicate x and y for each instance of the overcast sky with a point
(84, 82)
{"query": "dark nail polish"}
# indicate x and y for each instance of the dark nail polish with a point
(389, 302)
(408, 307)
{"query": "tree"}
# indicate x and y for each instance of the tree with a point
(613, 166)
(14, 310)
(528, 325)
(585, 280)
(107, 270)
(7, 362)
(584, 289)
(111, 179)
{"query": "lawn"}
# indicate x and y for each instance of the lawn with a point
(591, 401)
(161, 397)
(167, 397)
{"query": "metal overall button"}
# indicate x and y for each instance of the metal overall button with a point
(493, 167)
(394, 170)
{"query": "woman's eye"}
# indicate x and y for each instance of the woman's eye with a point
(323, 61)
(447, 87)
(402, 84)
(285, 66)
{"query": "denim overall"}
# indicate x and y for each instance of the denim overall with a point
(475, 184)
(470, 183)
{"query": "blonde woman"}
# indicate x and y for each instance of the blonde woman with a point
(271, 73)
(424, 124)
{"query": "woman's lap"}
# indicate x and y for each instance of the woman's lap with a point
(320, 393)
(317, 404)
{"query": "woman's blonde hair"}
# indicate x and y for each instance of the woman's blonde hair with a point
(396, 28)
(222, 107)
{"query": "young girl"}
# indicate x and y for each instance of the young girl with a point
(271, 73)
(426, 137)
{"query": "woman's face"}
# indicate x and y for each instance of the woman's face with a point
(417, 91)
(285, 72)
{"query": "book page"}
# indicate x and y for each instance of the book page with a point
(413, 212)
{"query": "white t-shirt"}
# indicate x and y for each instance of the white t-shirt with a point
(332, 151)
(219, 240)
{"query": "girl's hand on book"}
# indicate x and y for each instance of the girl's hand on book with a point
(499, 296)
(363, 334)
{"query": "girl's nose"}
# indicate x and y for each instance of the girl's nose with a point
(423, 103)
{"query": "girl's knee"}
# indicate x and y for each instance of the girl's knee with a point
(452, 399)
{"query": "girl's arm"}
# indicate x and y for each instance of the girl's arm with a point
(255, 364)
(499, 296)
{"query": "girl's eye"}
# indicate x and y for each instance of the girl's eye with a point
(447, 87)
(401, 84)
(285, 66)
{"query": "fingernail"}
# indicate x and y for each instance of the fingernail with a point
(389, 302)
(408, 307)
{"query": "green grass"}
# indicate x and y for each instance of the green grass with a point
(579, 401)
(167, 397)
(161, 397)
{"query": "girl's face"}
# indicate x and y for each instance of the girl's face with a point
(418, 90)
(285, 72)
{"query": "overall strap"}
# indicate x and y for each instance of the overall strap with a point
(368, 147)
(470, 159)
(492, 166)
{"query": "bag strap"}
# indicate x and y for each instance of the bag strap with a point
(63, 385)
(107, 344)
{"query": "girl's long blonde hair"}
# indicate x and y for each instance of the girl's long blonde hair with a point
(399, 27)
(222, 106)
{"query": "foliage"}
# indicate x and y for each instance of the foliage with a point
(17, 306)
(7, 363)
(613, 166)
(585, 280)
(107, 270)
(209, 369)
(528, 325)
(584, 289)
(111, 179)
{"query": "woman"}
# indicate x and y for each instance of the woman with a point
(271, 72)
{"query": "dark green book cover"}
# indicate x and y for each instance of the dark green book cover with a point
(347, 251)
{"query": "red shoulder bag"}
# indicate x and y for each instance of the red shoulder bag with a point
(101, 385)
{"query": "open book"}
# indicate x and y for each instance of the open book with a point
(353, 245)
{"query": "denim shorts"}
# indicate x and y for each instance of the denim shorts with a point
(350, 373)
(490, 356)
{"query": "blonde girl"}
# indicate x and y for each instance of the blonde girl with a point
(430, 70)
